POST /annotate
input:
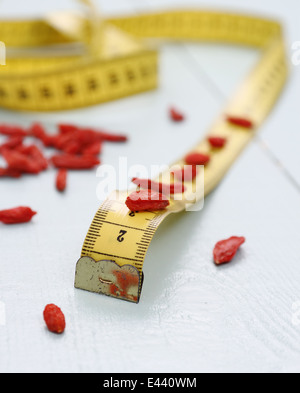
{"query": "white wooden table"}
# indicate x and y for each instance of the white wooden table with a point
(193, 317)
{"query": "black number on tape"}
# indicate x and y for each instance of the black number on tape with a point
(121, 236)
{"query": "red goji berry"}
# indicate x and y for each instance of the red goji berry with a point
(176, 115)
(61, 180)
(54, 319)
(17, 215)
(240, 122)
(38, 131)
(226, 250)
(107, 137)
(67, 161)
(50, 140)
(186, 174)
(93, 149)
(67, 128)
(9, 172)
(217, 142)
(166, 189)
(21, 162)
(146, 200)
(73, 147)
(12, 131)
(197, 159)
(35, 153)
(63, 140)
(89, 135)
(12, 143)
(86, 137)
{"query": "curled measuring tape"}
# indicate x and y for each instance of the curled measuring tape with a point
(115, 247)
(67, 61)
(117, 242)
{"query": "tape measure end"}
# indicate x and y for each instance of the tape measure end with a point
(108, 278)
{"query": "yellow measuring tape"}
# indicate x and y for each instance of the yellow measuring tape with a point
(117, 242)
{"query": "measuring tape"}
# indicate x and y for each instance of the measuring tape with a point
(117, 242)
(115, 247)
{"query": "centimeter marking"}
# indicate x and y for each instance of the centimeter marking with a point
(101, 221)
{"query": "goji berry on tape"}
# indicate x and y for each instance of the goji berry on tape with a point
(186, 174)
(18, 215)
(146, 200)
(225, 250)
(217, 142)
(195, 158)
(166, 189)
(54, 319)
(67, 161)
(240, 122)
(61, 180)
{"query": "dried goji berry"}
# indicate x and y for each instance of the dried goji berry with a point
(240, 122)
(93, 149)
(146, 200)
(67, 128)
(17, 215)
(21, 162)
(217, 142)
(50, 141)
(86, 137)
(12, 131)
(176, 115)
(226, 250)
(61, 180)
(197, 159)
(166, 189)
(90, 135)
(108, 137)
(73, 147)
(54, 319)
(9, 172)
(12, 143)
(38, 131)
(67, 161)
(63, 140)
(37, 156)
(186, 174)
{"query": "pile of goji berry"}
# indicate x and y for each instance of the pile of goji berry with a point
(78, 149)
